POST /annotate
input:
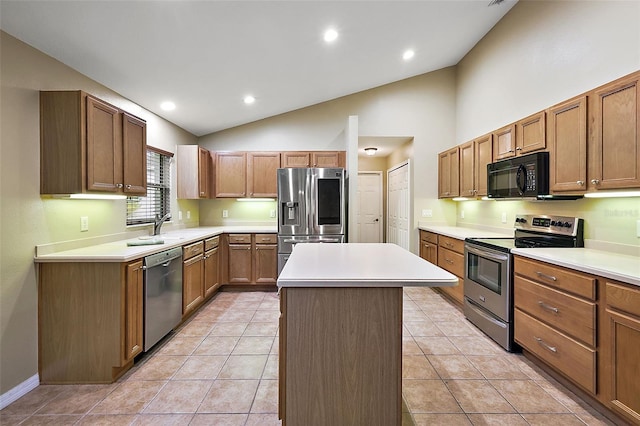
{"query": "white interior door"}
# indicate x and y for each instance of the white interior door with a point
(398, 205)
(370, 203)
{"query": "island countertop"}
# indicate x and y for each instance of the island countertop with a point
(360, 265)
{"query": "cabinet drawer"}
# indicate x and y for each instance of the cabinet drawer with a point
(211, 243)
(239, 238)
(572, 315)
(623, 298)
(429, 237)
(266, 239)
(451, 244)
(451, 261)
(192, 250)
(568, 356)
(555, 276)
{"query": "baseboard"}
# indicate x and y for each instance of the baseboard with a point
(19, 391)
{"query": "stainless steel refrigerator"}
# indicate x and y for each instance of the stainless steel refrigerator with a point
(311, 208)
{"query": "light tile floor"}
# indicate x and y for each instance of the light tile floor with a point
(220, 368)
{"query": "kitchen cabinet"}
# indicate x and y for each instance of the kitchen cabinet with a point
(231, 174)
(211, 266)
(313, 159)
(192, 277)
(620, 349)
(567, 137)
(504, 142)
(614, 131)
(252, 259)
(89, 320)
(194, 170)
(429, 246)
(555, 318)
(474, 157)
(531, 134)
(451, 258)
(262, 173)
(90, 146)
(449, 173)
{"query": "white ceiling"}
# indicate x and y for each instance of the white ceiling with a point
(207, 55)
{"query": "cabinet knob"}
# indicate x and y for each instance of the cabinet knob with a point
(201, 192)
(128, 186)
(118, 185)
(595, 181)
(580, 182)
(519, 148)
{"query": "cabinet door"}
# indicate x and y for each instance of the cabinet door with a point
(204, 160)
(104, 147)
(325, 159)
(240, 262)
(211, 272)
(266, 257)
(295, 159)
(467, 172)
(231, 170)
(448, 174)
(262, 171)
(192, 284)
(483, 156)
(134, 157)
(567, 136)
(133, 302)
(429, 251)
(530, 134)
(616, 150)
(504, 142)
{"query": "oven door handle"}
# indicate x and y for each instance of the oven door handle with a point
(485, 315)
(488, 254)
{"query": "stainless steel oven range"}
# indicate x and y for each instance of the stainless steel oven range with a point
(488, 276)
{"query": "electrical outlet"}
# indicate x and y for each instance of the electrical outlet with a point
(427, 213)
(188, 214)
(84, 223)
(225, 213)
(180, 215)
(461, 214)
(272, 213)
(504, 217)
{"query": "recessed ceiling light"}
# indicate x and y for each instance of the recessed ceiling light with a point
(249, 99)
(168, 106)
(408, 54)
(330, 35)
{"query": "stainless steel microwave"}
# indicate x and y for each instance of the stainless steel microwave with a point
(525, 176)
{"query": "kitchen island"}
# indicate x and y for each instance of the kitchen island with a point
(341, 332)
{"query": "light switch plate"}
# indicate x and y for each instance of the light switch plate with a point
(504, 217)
(180, 215)
(225, 213)
(427, 213)
(188, 214)
(84, 223)
(272, 213)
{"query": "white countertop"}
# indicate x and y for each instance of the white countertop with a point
(119, 251)
(460, 232)
(360, 265)
(619, 267)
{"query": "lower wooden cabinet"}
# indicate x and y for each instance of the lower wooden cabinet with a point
(211, 266)
(89, 320)
(429, 246)
(451, 258)
(192, 277)
(252, 259)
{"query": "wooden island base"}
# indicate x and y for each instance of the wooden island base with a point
(340, 356)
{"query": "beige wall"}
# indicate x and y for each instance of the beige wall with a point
(539, 54)
(26, 219)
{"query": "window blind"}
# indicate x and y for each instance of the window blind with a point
(144, 209)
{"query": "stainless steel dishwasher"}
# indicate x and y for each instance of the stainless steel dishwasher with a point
(162, 294)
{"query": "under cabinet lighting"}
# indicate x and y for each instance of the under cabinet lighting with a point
(612, 194)
(460, 199)
(255, 199)
(91, 197)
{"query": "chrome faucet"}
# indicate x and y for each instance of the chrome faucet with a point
(157, 224)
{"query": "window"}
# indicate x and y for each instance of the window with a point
(157, 202)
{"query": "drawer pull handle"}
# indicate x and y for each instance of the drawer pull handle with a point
(549, 277)
(547, 307)
(449, 261)
(544, 345)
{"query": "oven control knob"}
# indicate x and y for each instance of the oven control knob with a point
(521, 220)
(554, 223)
(567, 224)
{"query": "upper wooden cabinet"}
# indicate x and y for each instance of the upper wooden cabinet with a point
(262, 171)
(313, 159)
(567, 137)
(231, 174)
(474, 157)
(504, 142)
(448, 173)
(615, 148)
(87, 145)
(530, 134)
(194, 172)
